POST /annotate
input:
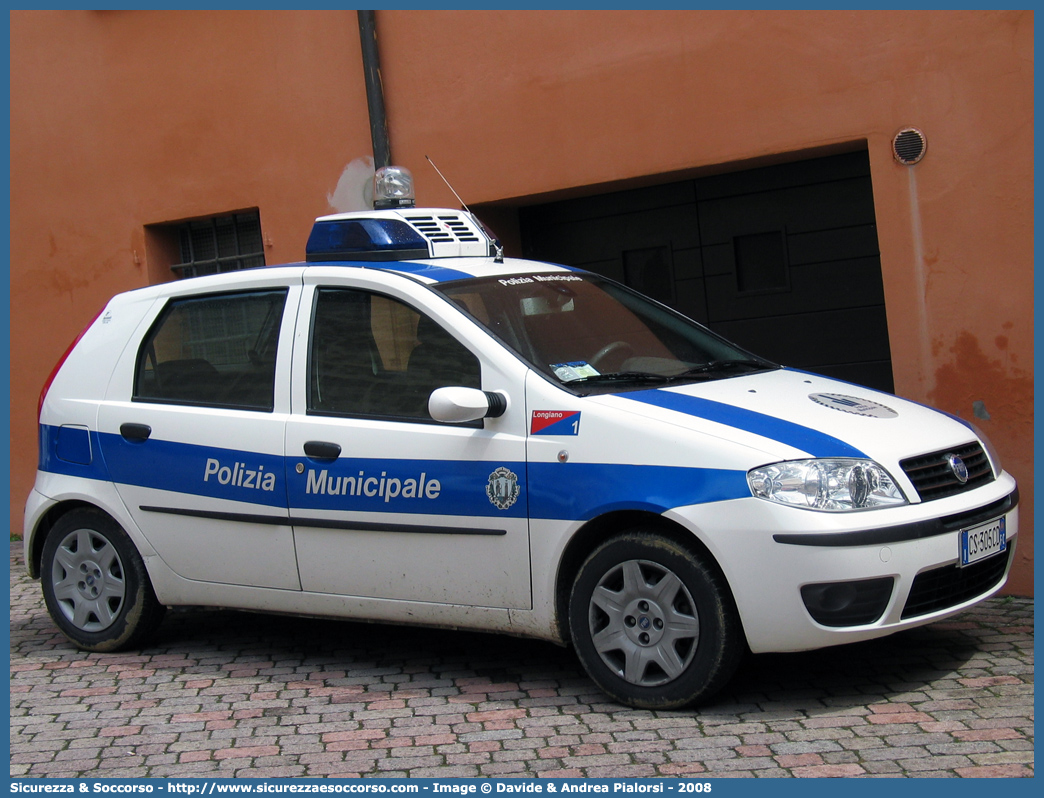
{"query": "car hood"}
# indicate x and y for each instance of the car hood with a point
(790, 414)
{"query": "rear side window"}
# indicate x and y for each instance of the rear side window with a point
(215, 351)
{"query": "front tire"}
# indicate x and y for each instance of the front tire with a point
(653, 626)
(95, 584)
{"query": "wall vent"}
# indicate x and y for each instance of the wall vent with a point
(909, 145)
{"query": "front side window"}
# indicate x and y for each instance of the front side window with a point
(215, 351)
(595, 336)
(376, 357)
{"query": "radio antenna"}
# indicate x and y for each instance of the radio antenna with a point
(498, 253)
(444, 180)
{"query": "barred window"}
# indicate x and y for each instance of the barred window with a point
(220, 244)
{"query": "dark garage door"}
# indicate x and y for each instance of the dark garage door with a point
(783, 259)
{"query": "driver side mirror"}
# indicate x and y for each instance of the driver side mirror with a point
(455, 405)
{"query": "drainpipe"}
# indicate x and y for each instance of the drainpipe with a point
(374, 90)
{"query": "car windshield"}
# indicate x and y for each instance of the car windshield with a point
(593, 335)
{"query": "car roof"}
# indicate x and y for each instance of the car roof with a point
(444, 270)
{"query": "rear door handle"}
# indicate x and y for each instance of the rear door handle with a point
(135, 432)
(321, 450)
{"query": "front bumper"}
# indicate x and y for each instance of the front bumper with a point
(903, 558)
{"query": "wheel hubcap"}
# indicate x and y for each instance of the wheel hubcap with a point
(643, 623)
(88, 580)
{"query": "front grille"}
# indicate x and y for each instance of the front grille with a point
(949, 586)
(933, 478)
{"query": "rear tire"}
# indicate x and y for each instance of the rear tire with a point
(95, 584)
(653, 626)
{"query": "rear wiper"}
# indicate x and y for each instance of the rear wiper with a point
(715, 366)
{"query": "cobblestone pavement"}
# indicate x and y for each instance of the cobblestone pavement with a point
(223, 694)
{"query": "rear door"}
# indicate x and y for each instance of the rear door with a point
(192, 433)
(385, 502)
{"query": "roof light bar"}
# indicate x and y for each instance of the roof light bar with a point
(364, 240)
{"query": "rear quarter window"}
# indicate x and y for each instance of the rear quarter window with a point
(215, 351)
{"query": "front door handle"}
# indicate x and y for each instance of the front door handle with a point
(135, 432)
(321, 450)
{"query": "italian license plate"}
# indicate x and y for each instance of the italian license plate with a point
(983, 541)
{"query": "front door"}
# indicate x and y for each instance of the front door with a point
(385, 502)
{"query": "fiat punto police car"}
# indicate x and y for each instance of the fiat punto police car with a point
(411, 428)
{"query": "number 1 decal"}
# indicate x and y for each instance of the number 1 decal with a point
(555, 422)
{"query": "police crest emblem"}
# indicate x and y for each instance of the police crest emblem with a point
(502, 488)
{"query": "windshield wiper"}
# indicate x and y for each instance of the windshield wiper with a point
(717, 366)
(621, 376)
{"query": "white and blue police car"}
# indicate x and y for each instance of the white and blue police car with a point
(411, 428)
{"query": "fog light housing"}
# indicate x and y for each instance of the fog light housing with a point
(848, 603)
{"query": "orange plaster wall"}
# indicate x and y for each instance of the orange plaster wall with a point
(122, 119)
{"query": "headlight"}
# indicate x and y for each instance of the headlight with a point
(830, 485)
